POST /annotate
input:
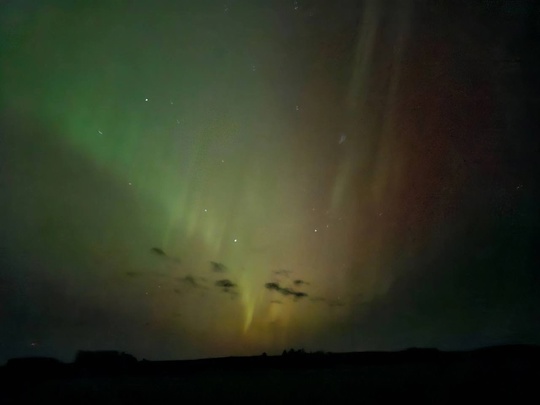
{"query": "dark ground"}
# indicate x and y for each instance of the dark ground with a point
(421, 376)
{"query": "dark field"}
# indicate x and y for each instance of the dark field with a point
(509, 374)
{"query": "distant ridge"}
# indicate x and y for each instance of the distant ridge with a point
(115, 362)
(501, 374)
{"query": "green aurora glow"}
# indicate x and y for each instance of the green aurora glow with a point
(264, 138)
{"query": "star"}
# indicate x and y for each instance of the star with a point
(236, 240)
(145, 99)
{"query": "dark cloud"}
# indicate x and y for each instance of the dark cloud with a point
(190, 280)
(273, 286)
(276, 302)
(227, 287)
(218, 267)
(299, 282)
(284, 273)
(158, 251)
(225, 283)
(285, 291)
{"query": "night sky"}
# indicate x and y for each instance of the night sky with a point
(186, 179)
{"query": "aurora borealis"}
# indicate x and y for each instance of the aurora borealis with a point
(185, 179)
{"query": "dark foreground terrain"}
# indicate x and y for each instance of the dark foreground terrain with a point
(509, 373)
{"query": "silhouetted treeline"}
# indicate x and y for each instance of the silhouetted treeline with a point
(89, 360)
(503, 374)
(113, 362)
